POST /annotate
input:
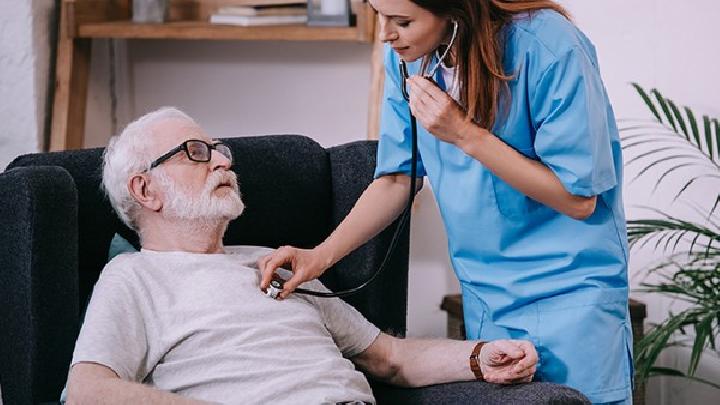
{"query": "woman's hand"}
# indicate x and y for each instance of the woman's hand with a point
(508, 361)
(306, 265)
(437, 112)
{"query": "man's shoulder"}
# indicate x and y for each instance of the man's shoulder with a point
(123, 260)
(247, 253)
(123, 265)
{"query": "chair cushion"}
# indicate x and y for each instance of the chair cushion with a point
(476, 392)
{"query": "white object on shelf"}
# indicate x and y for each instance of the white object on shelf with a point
(249, 10)
(247, 21)
(333, 7)
(145, 11)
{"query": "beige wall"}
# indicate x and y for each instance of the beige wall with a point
(24, 64)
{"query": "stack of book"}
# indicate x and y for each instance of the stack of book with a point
(262, 12)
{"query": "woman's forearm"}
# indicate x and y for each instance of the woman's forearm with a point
(379, 205)
(528, 176)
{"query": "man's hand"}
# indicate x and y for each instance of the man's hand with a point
(508, 361)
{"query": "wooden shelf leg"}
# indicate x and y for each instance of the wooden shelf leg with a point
(377, 82)
(71, 84)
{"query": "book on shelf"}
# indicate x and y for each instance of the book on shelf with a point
(293, 9)
(257, 20)
(253, 3)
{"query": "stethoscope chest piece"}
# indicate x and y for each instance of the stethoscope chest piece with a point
(274, 290)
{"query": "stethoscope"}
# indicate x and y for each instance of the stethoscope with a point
(276, 284)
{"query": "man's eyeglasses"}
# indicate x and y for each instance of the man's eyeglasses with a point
(196, 150)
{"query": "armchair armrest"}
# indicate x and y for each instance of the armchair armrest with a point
(476, 392)
(38, 282)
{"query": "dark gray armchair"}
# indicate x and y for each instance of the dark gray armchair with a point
(56, 227)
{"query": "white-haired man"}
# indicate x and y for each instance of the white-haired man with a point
(184, 320)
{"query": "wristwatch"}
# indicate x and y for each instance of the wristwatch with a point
(475, 361)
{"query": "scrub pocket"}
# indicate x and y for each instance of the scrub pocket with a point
(511, 203)
(587, 343)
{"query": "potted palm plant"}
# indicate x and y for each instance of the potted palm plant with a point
(684, 153)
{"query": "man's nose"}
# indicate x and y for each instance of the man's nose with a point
(219, 161)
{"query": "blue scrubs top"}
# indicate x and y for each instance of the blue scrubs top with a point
(527, 271)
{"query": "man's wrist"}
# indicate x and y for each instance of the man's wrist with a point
(475, 363)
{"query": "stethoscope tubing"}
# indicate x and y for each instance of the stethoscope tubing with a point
(404, 217)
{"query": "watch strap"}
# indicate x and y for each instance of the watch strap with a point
(475, 361)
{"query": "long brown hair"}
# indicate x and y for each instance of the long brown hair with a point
(480, 49)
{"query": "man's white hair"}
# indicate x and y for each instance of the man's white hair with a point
(128, 154)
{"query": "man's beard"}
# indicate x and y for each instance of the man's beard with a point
(206, 207)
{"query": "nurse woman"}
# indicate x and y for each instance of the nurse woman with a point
(519, 142)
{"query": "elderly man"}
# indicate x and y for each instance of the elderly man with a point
(184, 319)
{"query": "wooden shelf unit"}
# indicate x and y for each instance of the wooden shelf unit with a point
(84, 20)
(203, 30)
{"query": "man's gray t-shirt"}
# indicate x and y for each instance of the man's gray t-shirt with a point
(199, 326)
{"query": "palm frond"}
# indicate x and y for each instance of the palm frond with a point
(707, 125)
(717, 140)
(642, 231)
(693, 126)
(703, 332)
(678, 167)
(670, 372)
(683, 124)
(675, 142)
(715, 206)
(664, 106)
(693, 180)
(678, 117)
(654, 342)
(658, 338)
(655, 151)
(647, 100)
(666, 160)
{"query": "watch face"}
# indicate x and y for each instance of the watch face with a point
(275, 284)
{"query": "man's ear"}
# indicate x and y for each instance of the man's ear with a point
(140, 189)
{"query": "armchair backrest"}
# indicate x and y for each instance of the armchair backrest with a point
(295, 192)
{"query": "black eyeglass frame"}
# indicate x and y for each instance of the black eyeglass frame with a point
(184, 147)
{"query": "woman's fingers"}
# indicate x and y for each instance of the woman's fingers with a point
(290, 285)
(305, 265)
(416, 105)
(427, 88)
(265, 274)
(272, 262)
